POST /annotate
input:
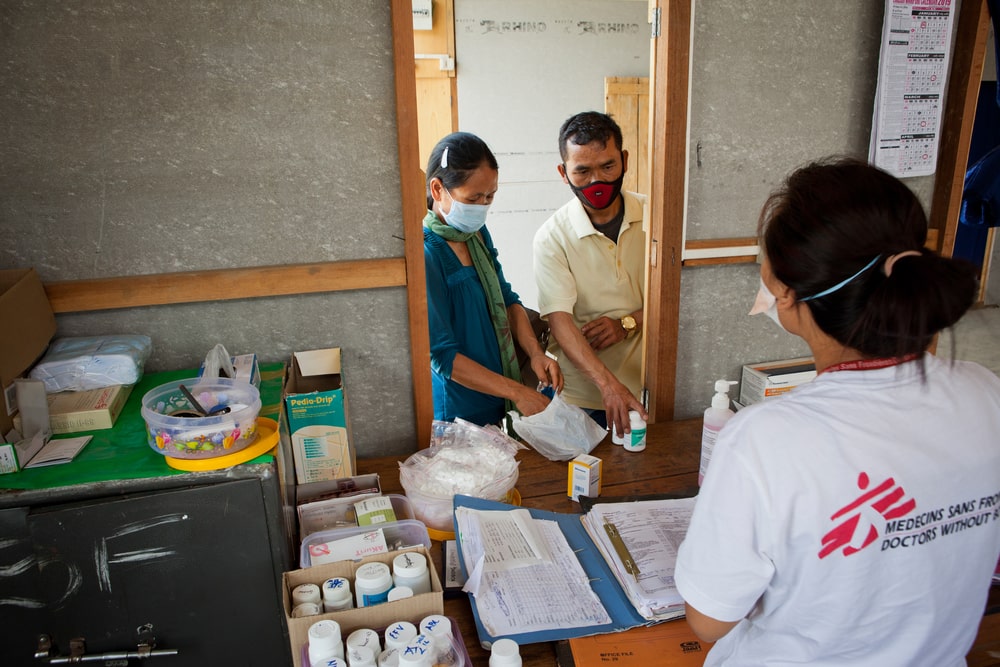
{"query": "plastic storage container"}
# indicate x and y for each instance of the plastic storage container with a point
(338, 513)
(170, 433)
(398, 534)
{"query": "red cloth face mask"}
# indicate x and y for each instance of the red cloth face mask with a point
(599, 194)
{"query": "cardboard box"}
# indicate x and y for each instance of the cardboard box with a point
(36, 432)
(316, 414)
(91, 410)
(28, 326)
(376, 617)
(584, 477)
(770, 379)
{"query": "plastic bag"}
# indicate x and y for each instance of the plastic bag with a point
(92, 362)
(560, 432)
(463, 458)
(218, 363)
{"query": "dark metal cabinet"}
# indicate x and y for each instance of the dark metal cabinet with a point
(193, 560)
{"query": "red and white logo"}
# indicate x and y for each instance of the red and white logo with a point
(862, 517)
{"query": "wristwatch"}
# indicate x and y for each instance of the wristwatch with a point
(628, 324)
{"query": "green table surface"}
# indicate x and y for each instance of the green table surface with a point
(121, 452)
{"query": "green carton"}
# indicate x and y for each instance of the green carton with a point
(316, 414)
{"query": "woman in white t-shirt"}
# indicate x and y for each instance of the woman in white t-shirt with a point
(855, 520)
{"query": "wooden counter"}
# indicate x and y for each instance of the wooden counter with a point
(669, 464)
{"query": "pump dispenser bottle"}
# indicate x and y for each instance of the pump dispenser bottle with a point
(715, 418)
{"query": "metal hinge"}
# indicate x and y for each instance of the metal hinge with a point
(655, 20)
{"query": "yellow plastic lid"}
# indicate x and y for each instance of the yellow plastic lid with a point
(267, 438)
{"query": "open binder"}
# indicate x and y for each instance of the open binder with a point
(599, 569)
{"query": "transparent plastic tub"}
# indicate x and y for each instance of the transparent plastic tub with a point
(339, 512)
(398, 534)
(173, 427)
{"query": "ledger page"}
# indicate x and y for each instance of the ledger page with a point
(533, 597)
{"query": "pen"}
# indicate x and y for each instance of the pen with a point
(621, 549)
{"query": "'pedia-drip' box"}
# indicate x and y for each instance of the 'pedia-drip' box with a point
(315, 411)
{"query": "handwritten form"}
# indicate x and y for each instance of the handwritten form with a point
(652, 531)
(909, 97)
(524, 575)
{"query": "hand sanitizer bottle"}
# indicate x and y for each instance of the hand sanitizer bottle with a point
(715, 418)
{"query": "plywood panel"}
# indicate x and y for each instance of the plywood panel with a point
(626, 99)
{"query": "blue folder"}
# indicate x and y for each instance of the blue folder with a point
(602, 580)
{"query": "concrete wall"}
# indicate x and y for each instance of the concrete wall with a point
(151, 137)
(774, 85)
(195, 135)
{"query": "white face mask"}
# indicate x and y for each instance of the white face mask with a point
(766, 303)
(466, 218)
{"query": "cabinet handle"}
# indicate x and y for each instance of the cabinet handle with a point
(78, 652)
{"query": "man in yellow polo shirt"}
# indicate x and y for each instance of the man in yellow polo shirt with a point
(589, 262)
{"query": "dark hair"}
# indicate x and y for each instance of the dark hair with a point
(587, 127)
(466, 152)
(831, 219)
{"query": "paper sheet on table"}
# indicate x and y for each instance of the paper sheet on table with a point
(56, 452)
(652, 531)
(552, 593)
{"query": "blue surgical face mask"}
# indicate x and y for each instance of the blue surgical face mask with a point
(466, 218)
(766, 303)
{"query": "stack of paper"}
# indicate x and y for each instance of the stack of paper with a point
(639, 540)
(524, 575)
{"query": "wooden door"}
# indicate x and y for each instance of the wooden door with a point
(626, 99)
(434, 60)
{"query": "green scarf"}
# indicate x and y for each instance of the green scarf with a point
(483, 262)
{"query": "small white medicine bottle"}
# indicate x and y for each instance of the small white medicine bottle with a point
(438, 629)
(418, 652)
(399, 634)
(372, 583)
(636, 440)
(505, 653)
(337, 594)
(716, 417)
(324, 642)
(306, 593)
(410, 569)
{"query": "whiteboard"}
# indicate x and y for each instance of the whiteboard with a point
(522, 69)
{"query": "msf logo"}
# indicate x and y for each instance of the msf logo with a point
(861, 517)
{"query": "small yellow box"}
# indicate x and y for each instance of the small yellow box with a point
(584, 477)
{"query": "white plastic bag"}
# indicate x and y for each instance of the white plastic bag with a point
(92, 362)
(218, 363)
(560, 432)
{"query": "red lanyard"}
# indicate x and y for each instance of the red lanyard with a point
(868, 364)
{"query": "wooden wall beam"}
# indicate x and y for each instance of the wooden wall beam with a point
(414, 207)
(956, 124)
(73, 296)
(668, 141)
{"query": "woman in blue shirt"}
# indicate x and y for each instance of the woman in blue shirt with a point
(475, 317)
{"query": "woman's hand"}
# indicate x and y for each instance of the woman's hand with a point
(530, 402)
(547, 371)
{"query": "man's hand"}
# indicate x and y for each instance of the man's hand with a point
(603, 332)
(618, 400)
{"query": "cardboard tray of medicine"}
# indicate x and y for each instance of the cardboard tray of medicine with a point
(378, 616)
